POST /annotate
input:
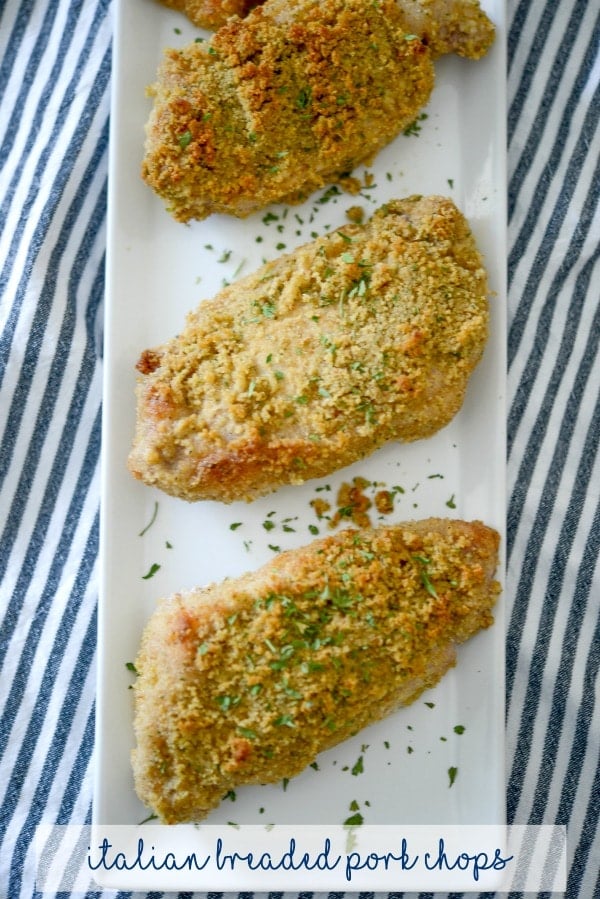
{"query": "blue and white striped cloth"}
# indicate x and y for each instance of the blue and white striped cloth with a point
(54, 114)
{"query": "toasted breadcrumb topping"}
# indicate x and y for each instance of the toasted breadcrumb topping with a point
(295, 96)
(246, 681)
(277, 105)
(364, 336)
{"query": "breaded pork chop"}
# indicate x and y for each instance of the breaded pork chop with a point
(367, 335)
(245, 682)
(211, 14)
(446, 26)
(292, 97)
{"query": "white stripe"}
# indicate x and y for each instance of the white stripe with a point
(537, 488)
(57, 521)
(561, 317)
(45, 186)
(49, 720)
(553, 50)
(33, 110)
(537, 100)
(521, 290)
(540, 725)
(57, 311)
(575, 695)
(60, 781)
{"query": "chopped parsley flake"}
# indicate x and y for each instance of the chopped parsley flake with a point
(414, 128)
(304, 98)
(151, 522)
(354, 820)
(285, 721)
(152, 571)
(358, 767)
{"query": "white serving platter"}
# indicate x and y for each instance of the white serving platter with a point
(157, 270)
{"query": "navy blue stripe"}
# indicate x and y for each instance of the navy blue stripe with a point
(82, 758)
(535, 360)
(544, 512)
(29, 74)
(587, 707)
(60, 736)
(72, 691)
(554, 582)
(515, 29)
(536, 135)
(88, 467)
(56, 474)
(13, 45)
(529, 155)
(544, 404)
(530, 69)
(586, 835)
(72, 151)
(43, 309)
(54, 79)
(547, 241)
(536, 48)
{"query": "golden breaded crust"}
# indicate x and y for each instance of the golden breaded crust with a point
(445, 26)
(279, 103)
(245, 682)
(211, 14)
(449, 26)
(367, 335)
(294, 96)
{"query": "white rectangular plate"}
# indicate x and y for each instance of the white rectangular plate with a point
(158, 270)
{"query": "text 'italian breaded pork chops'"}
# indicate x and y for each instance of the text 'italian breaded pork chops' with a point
(366, 335)
(245, 682)
(295, 95)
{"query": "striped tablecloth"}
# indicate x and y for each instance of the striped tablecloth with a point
(54, 82)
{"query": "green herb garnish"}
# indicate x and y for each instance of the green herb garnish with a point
(153, 569)
(358, 767)
(151, 522)
(354, 820)
(304, 98)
